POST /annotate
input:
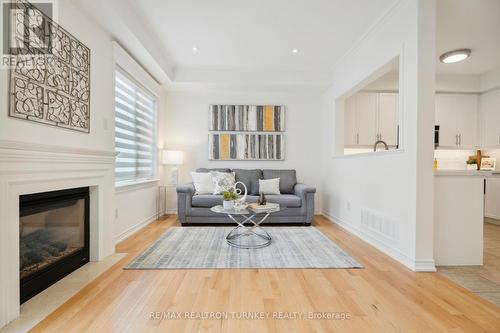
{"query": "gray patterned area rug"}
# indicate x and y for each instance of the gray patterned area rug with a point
(206, 248)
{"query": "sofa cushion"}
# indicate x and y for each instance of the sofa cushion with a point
(285, 200)
(288, 179)
(206, 200)
(250, 178)
(210, 200)
(214, 169)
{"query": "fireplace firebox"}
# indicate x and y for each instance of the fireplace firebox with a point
(53, 237)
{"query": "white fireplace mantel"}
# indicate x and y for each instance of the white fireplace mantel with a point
(32, 168)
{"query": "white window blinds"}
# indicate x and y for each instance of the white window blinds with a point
(135, 130)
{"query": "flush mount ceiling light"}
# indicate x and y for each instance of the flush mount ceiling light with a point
(455, 56)
(295, 51)
(195, 48)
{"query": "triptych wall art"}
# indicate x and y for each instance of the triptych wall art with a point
(246, 132)
(50, 87)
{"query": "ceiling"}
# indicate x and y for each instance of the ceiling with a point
(240, 40)
(473, 24)
(258, 34)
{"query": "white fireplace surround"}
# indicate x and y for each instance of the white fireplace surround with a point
(32, 168)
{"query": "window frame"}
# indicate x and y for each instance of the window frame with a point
(154, 177)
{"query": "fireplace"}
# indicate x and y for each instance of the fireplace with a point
(53, 237)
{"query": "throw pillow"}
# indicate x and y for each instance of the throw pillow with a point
(222, 181)
(288, 179)
(269, 186)
(250, 178)
(202, 182)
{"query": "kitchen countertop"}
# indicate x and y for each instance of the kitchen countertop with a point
(470, 173)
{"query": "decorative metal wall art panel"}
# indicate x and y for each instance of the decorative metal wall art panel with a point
(247, 118)
(243, 146)
(51, 87)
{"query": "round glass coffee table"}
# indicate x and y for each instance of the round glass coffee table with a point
(247, 237)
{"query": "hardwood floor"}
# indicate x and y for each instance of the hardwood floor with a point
(483, 281)
(382, 297)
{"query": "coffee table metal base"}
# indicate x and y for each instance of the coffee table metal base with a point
(248, 237)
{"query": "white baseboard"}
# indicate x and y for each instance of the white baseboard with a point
(133, 229)
(414, 265)
(425, 266)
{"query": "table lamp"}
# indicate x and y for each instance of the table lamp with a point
(174, 158)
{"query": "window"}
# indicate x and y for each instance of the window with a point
(135, 130)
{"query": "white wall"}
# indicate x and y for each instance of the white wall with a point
(387, 198)
(458, 83)
(187, 130)
(490, 80)
(136, 205)
(101, 95)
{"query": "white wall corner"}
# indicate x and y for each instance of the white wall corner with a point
(490, 80)
(425, 98)
(135, 228)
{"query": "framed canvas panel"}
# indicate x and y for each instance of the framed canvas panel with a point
(244, 146)
(247, 118)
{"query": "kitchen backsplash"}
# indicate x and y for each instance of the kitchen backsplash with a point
(456, 159)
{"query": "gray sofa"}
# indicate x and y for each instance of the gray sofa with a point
(296, 199)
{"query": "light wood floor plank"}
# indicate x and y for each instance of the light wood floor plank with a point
(382, 297)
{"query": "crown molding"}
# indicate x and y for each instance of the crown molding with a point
(245, 88)
(244, 79)
(17, 151)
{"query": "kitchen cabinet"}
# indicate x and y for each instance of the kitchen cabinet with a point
(350, 127)
(490, 118)
(370, 117)
(446, 118)
(492, 198)
(366, 114)
(457, 117)
(467, 120)
(458, 219)
(388, 118)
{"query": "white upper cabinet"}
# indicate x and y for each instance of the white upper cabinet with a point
(351, 127)
(388, 114)
(370, 117)
(446, 119)
(366, 111)
(457, 117)
(467, 120)
(490, 118)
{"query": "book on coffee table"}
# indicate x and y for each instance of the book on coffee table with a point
(256, 208)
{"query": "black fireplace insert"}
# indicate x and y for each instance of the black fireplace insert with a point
(53, 237)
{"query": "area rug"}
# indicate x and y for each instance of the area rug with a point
(206, 248)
